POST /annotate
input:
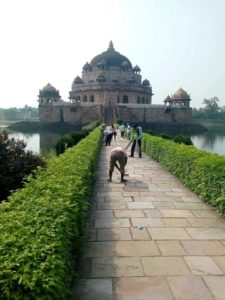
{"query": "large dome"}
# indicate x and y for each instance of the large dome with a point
(111, 58)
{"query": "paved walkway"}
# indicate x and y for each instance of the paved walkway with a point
(151, 239)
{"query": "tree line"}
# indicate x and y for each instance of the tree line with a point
(14, 113)
(211, 110)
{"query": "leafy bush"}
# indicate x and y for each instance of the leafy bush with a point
(165, 136)
(90, 127)
(183, 139)
(15, 163)
(42, 225)
(65, 142)
(202, 172)
(119, 122)
(77, 136)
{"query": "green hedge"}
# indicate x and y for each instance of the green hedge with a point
(202, 172)
(42, 225)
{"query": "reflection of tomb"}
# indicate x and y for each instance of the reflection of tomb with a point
(48, 140)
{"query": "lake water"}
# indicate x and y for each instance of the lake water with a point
(210, 141)
(36, 141)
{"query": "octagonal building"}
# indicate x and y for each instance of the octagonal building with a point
(110, 80)
(110, 88)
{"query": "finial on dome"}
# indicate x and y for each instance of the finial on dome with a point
(111, 48)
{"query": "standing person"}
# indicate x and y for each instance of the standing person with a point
(114, 132)
(122, 130)
(108, 134)
(108, 138)
(128, 133)
(136, 139)
(118, 155)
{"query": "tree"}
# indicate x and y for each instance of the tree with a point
(11, 113)
(211, 108)
(15, 164)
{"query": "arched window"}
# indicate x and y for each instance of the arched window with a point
(138, 99)
(84, 98)
(118, 99)
(92, 98)
(125, 99)
(147, 100)
(143, 100)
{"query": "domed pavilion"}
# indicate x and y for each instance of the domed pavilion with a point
(111, 88)
(110, 79)
(179, 98)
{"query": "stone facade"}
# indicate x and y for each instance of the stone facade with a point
(110, 89)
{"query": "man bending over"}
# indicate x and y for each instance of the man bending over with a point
(118, 156)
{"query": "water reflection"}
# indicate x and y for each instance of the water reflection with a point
(31, 139)
(35, 141)
(48, 140)
(39, 141)
(210, 141)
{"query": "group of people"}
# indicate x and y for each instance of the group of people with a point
(118, 156)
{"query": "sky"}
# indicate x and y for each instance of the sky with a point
(176, 43)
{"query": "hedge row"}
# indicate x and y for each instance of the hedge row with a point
(202, 172)
(42, 225)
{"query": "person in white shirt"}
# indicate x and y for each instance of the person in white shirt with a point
(122, 129)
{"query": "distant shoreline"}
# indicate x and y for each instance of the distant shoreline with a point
(36, 126)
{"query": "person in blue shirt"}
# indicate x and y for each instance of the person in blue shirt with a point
(136, 139)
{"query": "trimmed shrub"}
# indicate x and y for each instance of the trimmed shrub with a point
(15, 164)
(43, 224)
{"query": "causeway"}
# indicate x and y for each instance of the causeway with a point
(151, 238)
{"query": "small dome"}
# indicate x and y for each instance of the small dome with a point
(167, 99)
(87, 67)
(180, 95)
(146, 82)
(49, 88)
(136, 69)
(49, 91)
(78, 80)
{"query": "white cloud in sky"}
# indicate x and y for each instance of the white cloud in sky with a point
(176, 43)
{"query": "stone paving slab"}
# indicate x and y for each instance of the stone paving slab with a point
(113, 234)
(150, 238)
(170, 248)
(163, 266)
(143, 288)
(116, 267)
(216, 285)
(189, 287)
